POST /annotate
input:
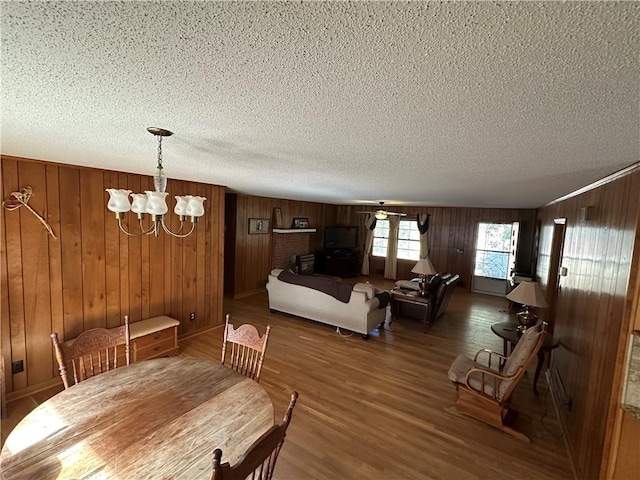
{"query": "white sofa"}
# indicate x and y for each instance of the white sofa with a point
(360, 315)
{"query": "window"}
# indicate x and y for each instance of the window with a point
(408, 239)
(495, 249)
(380, 238)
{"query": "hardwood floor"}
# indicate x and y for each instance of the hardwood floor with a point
(378, 408)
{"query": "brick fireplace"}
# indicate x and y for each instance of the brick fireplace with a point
(287, 244)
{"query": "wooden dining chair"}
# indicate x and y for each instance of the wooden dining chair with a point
(92, 352)
(259, 461)
(245, 348)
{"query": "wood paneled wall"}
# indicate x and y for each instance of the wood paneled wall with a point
(251, 254)
(92, 274)
(592, 319)
(452, 229)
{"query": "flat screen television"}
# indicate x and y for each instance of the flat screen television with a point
(338, 238)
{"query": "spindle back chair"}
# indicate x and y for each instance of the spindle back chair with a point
(93, 352)
(243, 349)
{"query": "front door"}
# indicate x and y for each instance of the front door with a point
(496, 247)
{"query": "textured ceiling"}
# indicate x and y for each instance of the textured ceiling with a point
(422, 103)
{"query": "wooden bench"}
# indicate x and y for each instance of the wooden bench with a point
(154, 337)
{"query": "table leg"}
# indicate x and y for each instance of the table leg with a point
(538, 369)
(504, 352)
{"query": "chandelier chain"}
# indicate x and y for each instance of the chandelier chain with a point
(159, 152)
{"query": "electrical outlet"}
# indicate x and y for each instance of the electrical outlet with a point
(192, 316)
(17, 367)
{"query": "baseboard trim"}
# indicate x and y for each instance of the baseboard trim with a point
(249, 293)
(198, 332)
(556, 406)
(38, 387)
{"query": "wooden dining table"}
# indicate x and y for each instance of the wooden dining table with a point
(155, 419)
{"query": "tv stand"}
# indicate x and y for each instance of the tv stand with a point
(340, 263)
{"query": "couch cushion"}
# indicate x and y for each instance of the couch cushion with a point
(338, 290)
(519, 356)
(365, 288)
(407, 284)
(458, 373)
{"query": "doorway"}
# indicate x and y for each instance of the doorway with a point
(555, 270)
(495, 258)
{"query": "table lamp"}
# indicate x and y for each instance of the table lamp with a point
(423, 268)
(529, 294)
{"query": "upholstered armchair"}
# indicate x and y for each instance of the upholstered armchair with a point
(484, 383)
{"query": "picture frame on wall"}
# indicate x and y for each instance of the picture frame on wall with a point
(258, 226)
(277, 213)
(300, 222)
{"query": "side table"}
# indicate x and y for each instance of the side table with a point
(507, 331)
(411, 297)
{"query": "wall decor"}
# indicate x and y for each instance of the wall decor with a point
(300, 222)
(277, 213)
(18, 199)
(258, 225)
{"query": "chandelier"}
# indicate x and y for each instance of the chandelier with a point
(155, 203)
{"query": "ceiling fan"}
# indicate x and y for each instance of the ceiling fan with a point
(382, 213)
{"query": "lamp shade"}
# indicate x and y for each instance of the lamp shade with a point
(139, 203)
(181, 205)
(156, 203)
(118, 200)
(424, 267)
(195, 207)
(528, 293)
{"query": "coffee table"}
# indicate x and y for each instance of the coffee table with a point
(412, 297)
(510, 337)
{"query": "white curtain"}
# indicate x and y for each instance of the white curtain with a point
(369, 225)
(391, 263)
(423, 227)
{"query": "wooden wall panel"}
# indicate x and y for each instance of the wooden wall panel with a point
(251, 256)
(5, 331)
(15, 287)
(92, 225)
(112, 263)
(92, 274)
(35, 268)
(592, 320)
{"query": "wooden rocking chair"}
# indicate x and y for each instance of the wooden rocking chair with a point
(484, 389)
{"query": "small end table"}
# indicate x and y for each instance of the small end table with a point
(412, 297)
(510, 336)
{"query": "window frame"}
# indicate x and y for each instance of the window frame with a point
(413, 225)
